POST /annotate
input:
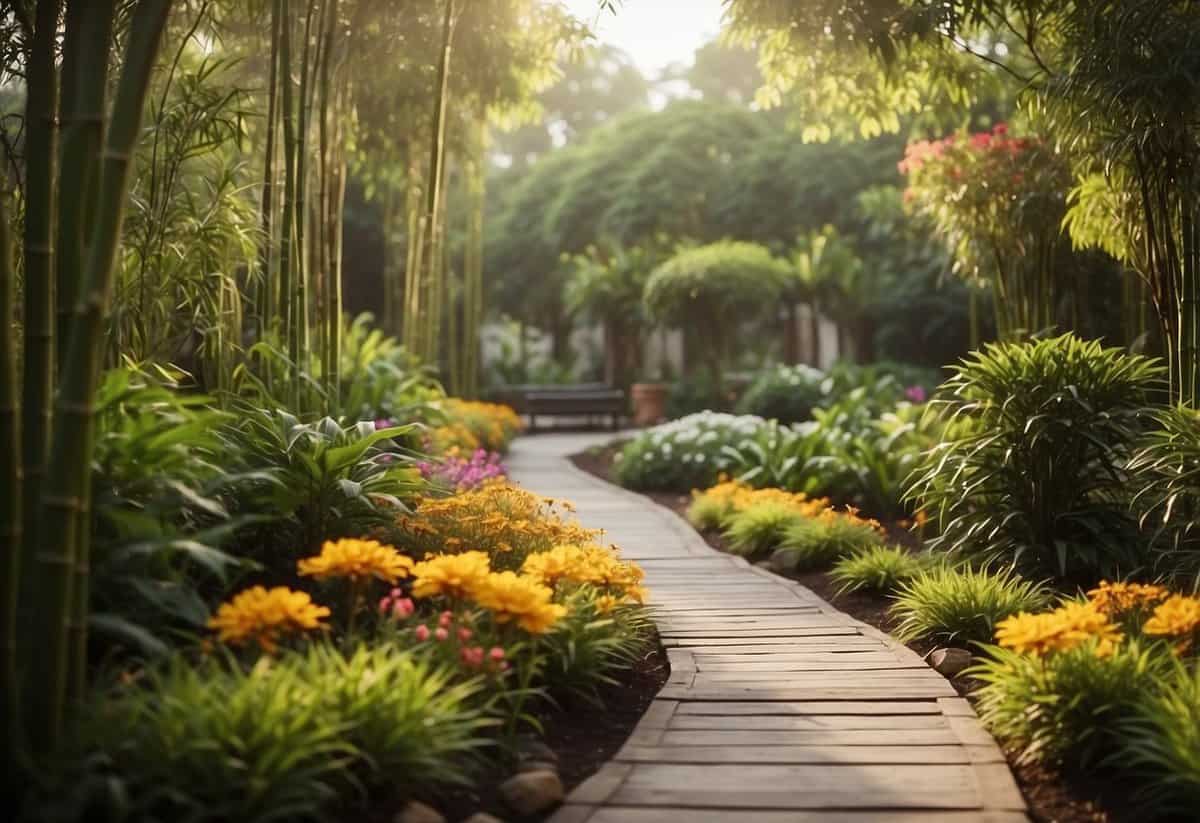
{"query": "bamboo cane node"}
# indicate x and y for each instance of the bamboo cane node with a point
(85, 409)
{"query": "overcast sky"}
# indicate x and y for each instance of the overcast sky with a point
(655, 33)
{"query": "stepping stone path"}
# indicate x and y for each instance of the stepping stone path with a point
(779, 708)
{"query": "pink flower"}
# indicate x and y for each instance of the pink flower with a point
(464, 634)
(473, 656)
(403, 608)
(1000, 129)
(385, 603)
(496, 653)
(445, 618)
(422, 633)
(441, 633)
(915, 393)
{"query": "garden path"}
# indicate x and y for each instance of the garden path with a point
(779, 708)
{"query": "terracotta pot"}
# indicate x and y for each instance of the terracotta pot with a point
(649, 403)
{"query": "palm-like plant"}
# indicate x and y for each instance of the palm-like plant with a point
(1031, 466)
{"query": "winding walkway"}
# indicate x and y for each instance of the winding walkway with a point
(779, 708)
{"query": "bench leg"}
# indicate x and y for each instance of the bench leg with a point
(532, 423)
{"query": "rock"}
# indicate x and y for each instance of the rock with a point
(416, 812)
(482, 817)
(949, 662)
(536, 766)
(532, 792)
(531, 749)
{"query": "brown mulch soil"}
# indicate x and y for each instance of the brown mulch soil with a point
(1053, 797)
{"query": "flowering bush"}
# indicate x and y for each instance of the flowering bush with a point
(264, 616)
(471, 424)
(462, 473)
(998, 203)
(1110, 671)
(502, 521)
(685, 454)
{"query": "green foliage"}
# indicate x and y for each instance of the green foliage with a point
(960, 606)
(879, 569)
(714, 282)
(1166, 477)
(760, 528)
(283, 740)
(586, 649)
(818, 542)
(795, 458)
(1067, 706)
(379, 379)
(787, 394)
(161, 486)
(1030, 467)
(707, 512)
(326, 480)
(1160, 740)
(684, 454)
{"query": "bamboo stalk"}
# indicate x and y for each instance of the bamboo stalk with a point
(41, 140)
(328, 327)
(63, 542)
(473, 263)
(10, 498)
(266, 303)
(287, 263)
(303, 263)
(427, 271)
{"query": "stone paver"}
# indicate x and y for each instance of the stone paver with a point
(779, 708)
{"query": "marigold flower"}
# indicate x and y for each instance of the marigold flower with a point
(356, 559)
(1116, 599)
(509, 596)
(1177, 616)
(1060, 630)
(265, 615)
(605, 603)
(451, 575)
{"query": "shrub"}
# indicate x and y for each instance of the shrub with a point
(787, 394)
(880, 569)
(322, 480)
(286, 738)
(684, 454)
(1161, 741)
(761, 527)
(798, 458)
(1166, 479)
(1030, 468)
(962, 605)
(594, 642)
(161, 492)
(380, 379)
(819, 542)
(712, 508)
(1066, 705)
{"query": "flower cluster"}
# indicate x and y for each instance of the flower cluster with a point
(472, 425)
(396, 606)
(1177, 617)
(1119, 599)
(1060, 630)
(1174, 616)
(265, 615)
(464, 474)
(589, 565)
(730, 497)
(471, 656)
(496, 518)
(508, 596)
(687, 453)
(357, 560)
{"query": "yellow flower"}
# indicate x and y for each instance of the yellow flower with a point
(560, 563)
(264, 616)
(1115, 599)
(1177, 616)
(509, 596)
(605, 603)
(636, 594)
(1059, 630)
(357, 559)
(452, 575)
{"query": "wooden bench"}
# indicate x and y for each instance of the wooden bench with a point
(583, 400)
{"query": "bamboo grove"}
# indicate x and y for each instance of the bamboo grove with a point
(178, 193)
